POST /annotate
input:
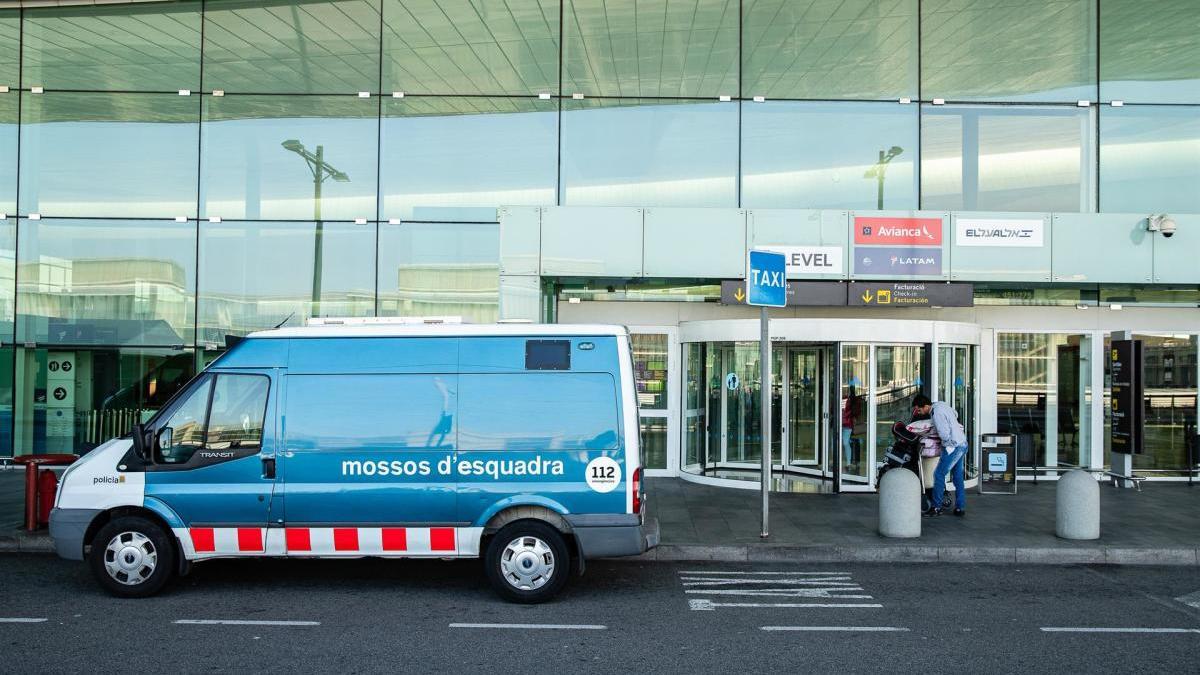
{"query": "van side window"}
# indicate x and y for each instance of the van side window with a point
(233, 422)
(186, 426)
(547, 355)
(537, 411)
(239, 403)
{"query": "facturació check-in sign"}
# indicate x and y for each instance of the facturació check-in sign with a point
(766, 279)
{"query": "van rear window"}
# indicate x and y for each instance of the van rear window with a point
(548, 355)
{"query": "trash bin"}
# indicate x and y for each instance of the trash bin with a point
(32, 483)
(998, 475)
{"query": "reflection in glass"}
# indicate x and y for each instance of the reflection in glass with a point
(743, 404)
(1150, 159)
(252, 167)
(1042, 384)
(8, 279)
(106, 282)
(1006, 158)
(650, 369)
(8, 152)
(1149, 52)
(237, 297)
(1021, 50)
(654, 442)
(108, 155)
(440, 155)
(897, 380)
(853, 448)
(1169, 380)
(956, 386)
(292, 46)
(6, 401)
(829, 155)
(128, 47)
(10, 47)
(813, 49)
(440, 269)
(72, 400)
(649, 153)
(625, 48)
(483, 47)
(695, 412)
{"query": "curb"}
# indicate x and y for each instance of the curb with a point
(1091, 555)
(26, 543)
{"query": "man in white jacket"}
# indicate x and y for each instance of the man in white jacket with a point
(954, 452)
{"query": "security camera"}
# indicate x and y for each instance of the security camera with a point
(1162, 223)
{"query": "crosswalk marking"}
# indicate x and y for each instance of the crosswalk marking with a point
(708, 605)
(781, 592)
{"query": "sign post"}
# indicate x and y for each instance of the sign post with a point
(766, 286)
(1128, 395)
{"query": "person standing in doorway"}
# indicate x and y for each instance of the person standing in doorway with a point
(954, 453)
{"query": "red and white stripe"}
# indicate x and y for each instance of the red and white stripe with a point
(329, 542)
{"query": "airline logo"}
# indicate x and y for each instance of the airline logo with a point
(873, 231)
(898, 262)
(1024, 233)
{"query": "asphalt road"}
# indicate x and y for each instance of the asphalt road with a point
(373, 615)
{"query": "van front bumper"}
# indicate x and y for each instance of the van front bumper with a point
(67, 529)
(612, 536)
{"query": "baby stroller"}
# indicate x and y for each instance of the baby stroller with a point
(905, 452)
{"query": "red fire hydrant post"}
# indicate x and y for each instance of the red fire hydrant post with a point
(32, 464)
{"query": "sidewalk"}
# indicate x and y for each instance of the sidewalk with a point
(1156, 526)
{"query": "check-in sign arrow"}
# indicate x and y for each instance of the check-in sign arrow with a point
(867, 296)
(739, 295)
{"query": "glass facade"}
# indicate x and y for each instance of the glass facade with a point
(157, 159)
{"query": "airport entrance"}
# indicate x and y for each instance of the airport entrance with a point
(833, 402)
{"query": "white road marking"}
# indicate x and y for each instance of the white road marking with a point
(21, 619)
(837, 581)
(1086, 629)
(243, 622)
(762, 573)
(1191, 599)
(839, 629)
(533, 626)
(784, 592)
(708, 605)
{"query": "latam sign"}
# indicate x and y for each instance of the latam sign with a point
(898, 261)
(874, 231)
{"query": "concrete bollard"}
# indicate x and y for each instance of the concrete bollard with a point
(900, 504)
(1077, 506)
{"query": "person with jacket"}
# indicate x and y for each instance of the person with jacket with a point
(954, 452)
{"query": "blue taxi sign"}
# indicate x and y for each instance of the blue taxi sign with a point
(766, 279)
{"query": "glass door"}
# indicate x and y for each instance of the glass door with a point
(855, 456)
(803, 423)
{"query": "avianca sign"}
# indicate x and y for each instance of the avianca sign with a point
(897, 231)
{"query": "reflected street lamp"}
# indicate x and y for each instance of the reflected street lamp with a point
(321, 171)
(877, 172)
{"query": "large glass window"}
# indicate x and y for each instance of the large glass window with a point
(537, 411)
(6, 401)
(128, 47)
(316, 269)
(440, 156)
(440, 269)
(1150, 159)
(1149, 52)
(10, 48)
(854, 410)
(898, 378)
(108, 155)
(1007, 158)
(71, 400)
(1169, 379)
(107, 282)
(289, 157)
(650, 48)
(482, 47)
(650, 354)
(864, 49)
(649, 153)
(8, 152)
(1043, 389)
(829, 155)
(8, 278)
(292, 46)
(1021, 50)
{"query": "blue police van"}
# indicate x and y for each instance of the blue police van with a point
(515, 443)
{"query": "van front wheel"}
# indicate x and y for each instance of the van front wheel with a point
(132, 557)
(527, 562)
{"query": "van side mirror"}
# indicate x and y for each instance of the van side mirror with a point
(163, 438)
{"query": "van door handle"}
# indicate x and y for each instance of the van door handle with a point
(268, 467)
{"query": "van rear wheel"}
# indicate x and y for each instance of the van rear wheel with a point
(132, 557)
(527, 562)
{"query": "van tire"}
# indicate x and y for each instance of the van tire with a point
(148, 557)
(530, 545)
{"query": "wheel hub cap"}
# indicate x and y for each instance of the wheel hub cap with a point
(130, 558)
(527, 563)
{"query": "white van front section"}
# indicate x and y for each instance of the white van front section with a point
(93, 484)
(629, 413)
